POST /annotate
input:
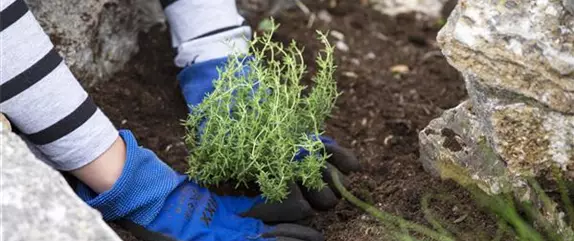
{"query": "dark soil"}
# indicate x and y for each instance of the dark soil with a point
(378, 115)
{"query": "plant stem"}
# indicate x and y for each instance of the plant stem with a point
(548, 207)
(506, 210)
(430, 217)
(502, 229)
(384, 217)
(565, 195)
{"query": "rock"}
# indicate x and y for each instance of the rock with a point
(569, 5)
(399, 69)
(520, 79)
(278, 6)
(350, 74)
(39, 204)
(338, 35)
(340, 45)
(324, 16)
(530, 137)
(370, 55)
(426, 8)
(535, 40)
(455, 147)
(517, 59)
(96, 38)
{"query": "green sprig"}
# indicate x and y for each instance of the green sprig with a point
(258, 141)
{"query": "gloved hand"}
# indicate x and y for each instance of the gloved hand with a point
(156, 203)
(196, 81)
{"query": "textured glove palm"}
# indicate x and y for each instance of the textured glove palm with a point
(156, 203)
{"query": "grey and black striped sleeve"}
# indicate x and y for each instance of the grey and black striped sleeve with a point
(42, 98)
(203, 30)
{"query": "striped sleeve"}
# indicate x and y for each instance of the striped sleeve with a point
(42, 98)
(203, 30)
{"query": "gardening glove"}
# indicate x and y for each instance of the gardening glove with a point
(196, 81)
(156, 203)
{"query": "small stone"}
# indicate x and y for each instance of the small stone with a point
(427, 8)
(324, 16)
(364, 122)
(461, 218)
(400, 69)
(388, 139)
(350, 74)
(382, 36)
(168, 147)
(340, 45)
(370, 55)
(455, 209)
(338, 35)
(355, 61)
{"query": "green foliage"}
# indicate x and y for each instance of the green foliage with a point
(266, 25)
(517, 220)
(268, 125)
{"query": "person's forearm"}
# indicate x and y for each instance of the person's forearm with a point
(102, 173)
(43, 99)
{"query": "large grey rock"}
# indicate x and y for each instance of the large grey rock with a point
(455, 147)
(423, 8)
(523, 49)
(38, 204)
(517, 59)
(96, 38)
(518, 64)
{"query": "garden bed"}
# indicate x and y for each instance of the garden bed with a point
(378, 115)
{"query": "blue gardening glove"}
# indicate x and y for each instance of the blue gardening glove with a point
(196, 81)
(156, 203)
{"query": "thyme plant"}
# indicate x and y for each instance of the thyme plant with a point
(255, 123)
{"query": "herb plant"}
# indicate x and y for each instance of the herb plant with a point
(256, 122)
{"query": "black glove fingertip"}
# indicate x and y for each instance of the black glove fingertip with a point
(141, 232)
(321, 200)
(288, 231)
(294, 208)
(343, 158)
(287, 239)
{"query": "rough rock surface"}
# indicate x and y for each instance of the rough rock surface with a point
(518, 64)
(452, 144)
(426, 8)
(569, 5)
(524, 49)
(96, 38)
(38, 204)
